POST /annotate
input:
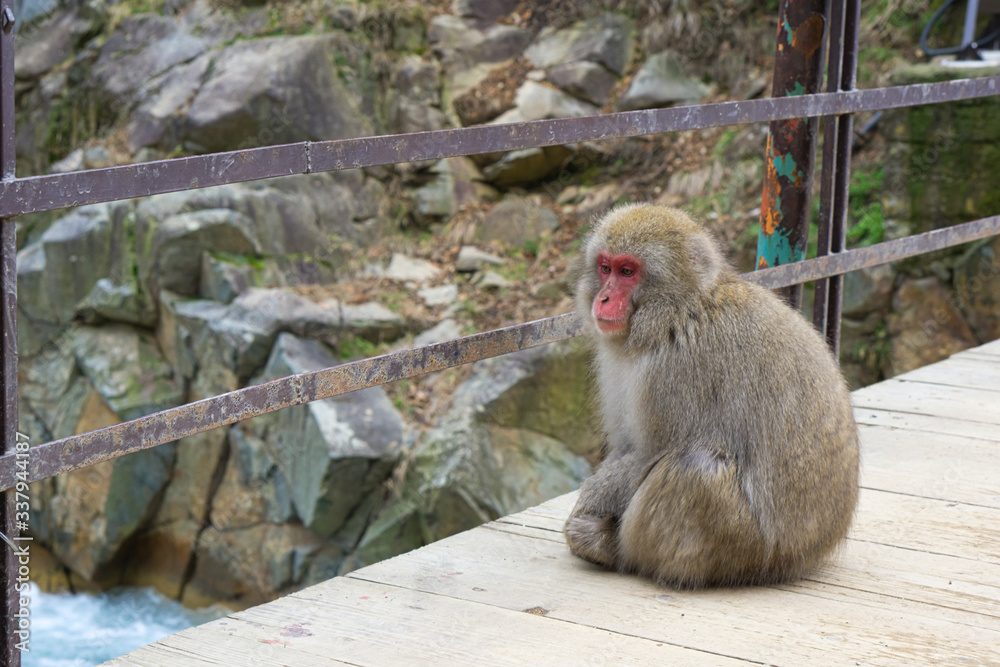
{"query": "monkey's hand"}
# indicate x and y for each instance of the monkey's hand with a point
(593, 538)
(608, 491)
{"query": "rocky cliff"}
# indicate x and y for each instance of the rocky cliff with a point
(132, 307)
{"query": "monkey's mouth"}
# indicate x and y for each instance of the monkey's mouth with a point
(611, 326)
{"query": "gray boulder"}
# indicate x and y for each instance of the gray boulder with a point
(161, 553)
(925, 325)
(255, 564)
(516, 220)
(455, 182)
(471, 259)
(310, 214)
(415, 96)
(48, 44)
(977, 286)
(468, 55)
(660, 82)
(446, 329)
(606, 40)
(225, 276)
(371, 321)
(584, 79)
(868, 291)
(273, 91)
(482, 12)
(143, 47)
(175, 250)
(476, 465)
(158, 118)
(332, 453)
(126, 368)
(58, 275)
(239, 336)
(86, 517)
(537, 102)
(411, 269)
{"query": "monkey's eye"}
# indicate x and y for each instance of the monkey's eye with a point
(605, 268)
(627, 272)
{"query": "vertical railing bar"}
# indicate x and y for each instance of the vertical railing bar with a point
(845, 130)
(835, 39)
(8, 327)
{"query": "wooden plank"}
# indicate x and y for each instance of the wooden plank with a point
(928, 423)
(222, 642)
(365, 623)
(926, 524)
(959, 372)
(759, 624)
(933, 465)
(875, 559)
(934, 585)
(945, 587)
(930, 399)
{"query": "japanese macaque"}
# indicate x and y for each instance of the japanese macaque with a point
(731, 446)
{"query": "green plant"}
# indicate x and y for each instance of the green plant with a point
(516, 271)
(356, 347)
(870, 227)
(468, 306)
(873, 352)
(866, 219)
(394, 300)
(724, 141)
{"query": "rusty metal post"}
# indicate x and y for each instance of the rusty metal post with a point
(791, 144)
(10, 605)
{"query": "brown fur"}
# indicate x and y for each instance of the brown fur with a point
(732, 448)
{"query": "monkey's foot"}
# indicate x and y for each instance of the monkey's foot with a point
(593, 538)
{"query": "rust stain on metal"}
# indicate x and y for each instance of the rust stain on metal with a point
(808, 36)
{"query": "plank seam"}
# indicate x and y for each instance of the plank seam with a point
(925, 551)
(919, 414)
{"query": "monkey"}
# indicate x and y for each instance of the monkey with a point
(731, 450)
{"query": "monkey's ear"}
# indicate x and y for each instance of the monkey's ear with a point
(706, 260)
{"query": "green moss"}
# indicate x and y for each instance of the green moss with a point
(394, 300)
(515, 271)
(356, 347)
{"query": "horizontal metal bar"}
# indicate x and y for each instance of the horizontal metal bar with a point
(880, 253)
(79, 451)
(45, 193)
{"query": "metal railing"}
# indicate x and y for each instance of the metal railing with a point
(19, 196)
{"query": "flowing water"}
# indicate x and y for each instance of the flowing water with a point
(83, 629)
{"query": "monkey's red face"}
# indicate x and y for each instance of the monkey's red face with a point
(618, 276)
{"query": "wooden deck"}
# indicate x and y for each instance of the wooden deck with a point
(917, 583)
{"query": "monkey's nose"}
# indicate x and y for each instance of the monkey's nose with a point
(605, 299)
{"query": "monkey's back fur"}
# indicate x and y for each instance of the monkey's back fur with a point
(732, 447)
